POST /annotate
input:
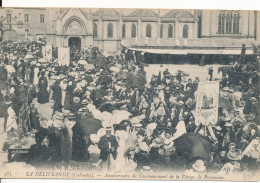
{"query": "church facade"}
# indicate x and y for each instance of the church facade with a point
(110, 29)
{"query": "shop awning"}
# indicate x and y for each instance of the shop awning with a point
(205, 52)
(162, 51)
(194, 51)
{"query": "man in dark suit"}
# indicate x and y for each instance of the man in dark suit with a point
(108, 145)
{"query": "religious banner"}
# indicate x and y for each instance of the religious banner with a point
(64, 56)
(207, 103)
(44, 51)
(48, 52)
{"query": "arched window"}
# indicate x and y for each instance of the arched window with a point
(123, 31)
(170, 31)
(185, 31)
(221, 22)
(95, 32)
(148, 30)
(228, 22)
(161, 31)
(110, 30)
(236, 23)
(133, 31)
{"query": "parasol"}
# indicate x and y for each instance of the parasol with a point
(83, 62)
(191, 145)
(10, 68)
(90, 125)
(114, 69)
(33, 62)
(42, 60)
(120, 116)
(28, 57)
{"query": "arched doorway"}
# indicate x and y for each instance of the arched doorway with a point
(75, 47)
(74, 43)
(10, 35)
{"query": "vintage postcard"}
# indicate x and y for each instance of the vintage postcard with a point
(154, 94)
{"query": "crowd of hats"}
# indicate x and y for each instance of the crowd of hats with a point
(129, 76)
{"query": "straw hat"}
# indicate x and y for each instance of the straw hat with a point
(159, 87)
(137, 125)
(144, 147)
(234, 155)
(84, 102)
(199, 166)
(228, 125)
(146, 169)
(58, 124)
(226, 89)
(159, 140)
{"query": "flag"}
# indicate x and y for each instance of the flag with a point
(64, 56)
(207, 99)
(48, 52)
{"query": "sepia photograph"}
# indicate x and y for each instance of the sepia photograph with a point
(140, 94)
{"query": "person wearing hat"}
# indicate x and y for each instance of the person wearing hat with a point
(108, 146)
(69, 122)
(252, 133)
(146, 169)
(233, 166)
(68, 95)
(237, 131)
(43, 96)
(218, 134)
(56, 96)
(121, 135)
(219, 159)
(76, 99)
(168, 147)
(36, 73)
(40, 155)
(141, 156)
(199, 166)
(210, 72)
(4, 109)
(135, 96)
(238, 117)
(189, 84)
(224, 82)
(228, 135)
(3, 77)
(155, 146)
(191, 126)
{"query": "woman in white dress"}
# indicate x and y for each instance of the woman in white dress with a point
(121, 135)
(36, 78)
(11, 120)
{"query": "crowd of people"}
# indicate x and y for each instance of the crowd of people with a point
(108, 102)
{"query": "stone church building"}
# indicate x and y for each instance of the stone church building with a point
(154, 31)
